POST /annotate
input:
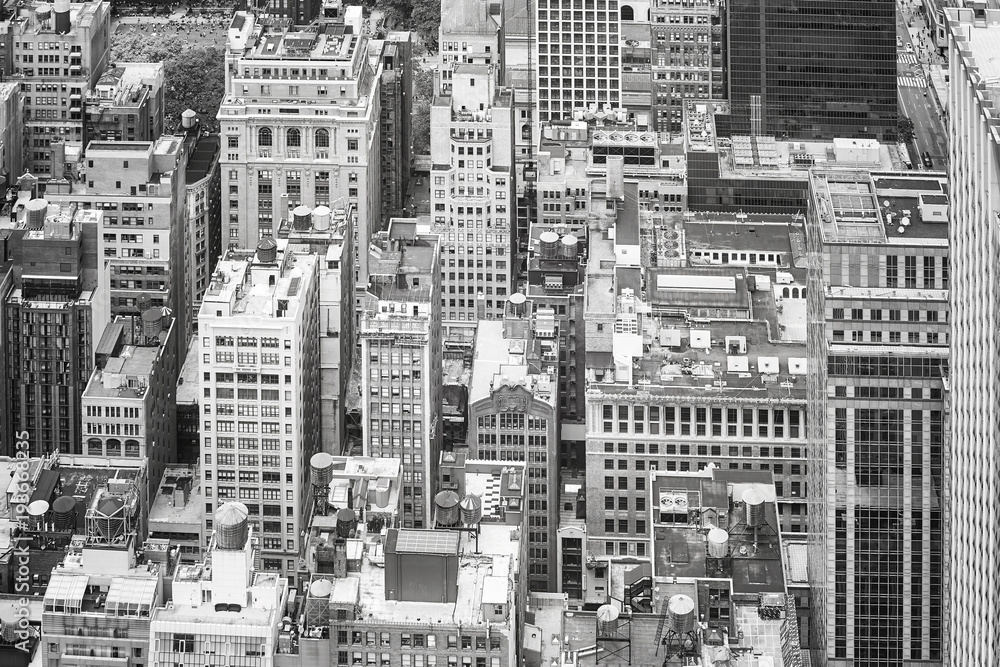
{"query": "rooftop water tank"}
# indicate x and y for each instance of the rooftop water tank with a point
(718, 543)
(680, 614)
(231, 526)
(448, 511)
(188, 119)
(301, 217)
(267, 250)
(471, 509)
(43, 12)
(321, 218)
(64, 513)
(607, 619)
(320, 588)
(569, 246)
(516, 303)
(36, 210)
(321, 469)
(152, 323)
(382, 492)
(548, 242)
(347, 520)
(754, 502)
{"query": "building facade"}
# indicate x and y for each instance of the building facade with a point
(812, 70)
(126, 104)
(300, 127)
(878, 404)
(259, 338)
(973, 176)
(60, 53)
(401, 376)
(513, 415)
(55, 313)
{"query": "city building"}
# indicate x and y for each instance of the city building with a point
(400, 361)
(329, 234)
(714, 590)
(298, 12)
(188, 409)
(878, 313)
(689, 365)
(822, 77)
(224, 606)
(424, 596)
(975, 435)
(758, 174)
(579, 58)
(175, 513)
(260, 381)
(395, 53)
(472, 176)
(60, 51)
(54, 311)
(300, 127)
(203, 231)
(98, 605)
(128, 406)
(688, 60)
(513, 415)
(139, 187)
(11, 130)
(126, 104)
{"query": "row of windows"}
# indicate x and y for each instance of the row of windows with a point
(670, 420)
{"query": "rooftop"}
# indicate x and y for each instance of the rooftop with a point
(125, 375)
(501, 361)
(497, 557)
(862, 207)
(189, 379)
(735, 231)
(260, 287)
(180, 483)
(321, 41)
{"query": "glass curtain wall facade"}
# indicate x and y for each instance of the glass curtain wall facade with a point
(807, 69)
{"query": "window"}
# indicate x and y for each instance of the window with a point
(293, 137)
(322, 138)
(264, 136)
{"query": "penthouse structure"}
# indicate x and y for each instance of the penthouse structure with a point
(974, 436)
(54, 312)
(300, 122)
(222, 606)
(59, 53)
(140, 188)
(11, 127)
(128, 407)
(400, 332)
(175, 511)
(126, 104)
(261, 392)
(514, 416)
(330, 235)
(878, 413)
(98, 604)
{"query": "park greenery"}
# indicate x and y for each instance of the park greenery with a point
(420, 16)
(193, 78)
(423, 97)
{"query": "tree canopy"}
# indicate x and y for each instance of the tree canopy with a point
(193, 77)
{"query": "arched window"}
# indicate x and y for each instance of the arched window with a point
(95, 447)
(803, 295)
(784, 293)
(114, 447)
(264, 136)
(795, 292)
(322, 139)
(526, 131)
(627, 13)
(293, 138)
(132, 448)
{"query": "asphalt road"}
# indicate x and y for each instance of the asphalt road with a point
(917, 104)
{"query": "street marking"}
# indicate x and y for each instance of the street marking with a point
(906, 58)
(912, 82)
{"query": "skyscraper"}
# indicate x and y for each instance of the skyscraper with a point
(810, 69)
(877, 338)
(974, 180)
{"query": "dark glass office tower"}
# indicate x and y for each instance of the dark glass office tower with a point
(806, 69)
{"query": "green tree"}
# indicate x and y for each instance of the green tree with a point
(904, 129)
(426, 19)
(420, 129)
(198, 82)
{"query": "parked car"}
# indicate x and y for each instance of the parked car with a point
(928, 162)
